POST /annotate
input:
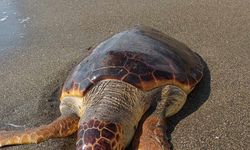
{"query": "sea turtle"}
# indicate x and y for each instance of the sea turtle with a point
(107, 94)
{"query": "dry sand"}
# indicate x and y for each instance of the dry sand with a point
(40, 42)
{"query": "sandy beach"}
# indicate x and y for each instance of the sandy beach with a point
(41, 41)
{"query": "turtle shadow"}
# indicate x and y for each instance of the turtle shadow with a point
(194, 101)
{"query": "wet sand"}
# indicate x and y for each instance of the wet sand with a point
(40, 42)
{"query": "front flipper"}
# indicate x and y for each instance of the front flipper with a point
(61, 127)
(154, 128)
(154, 134)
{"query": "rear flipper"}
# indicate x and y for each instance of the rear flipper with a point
(61, 127)
(153, 135)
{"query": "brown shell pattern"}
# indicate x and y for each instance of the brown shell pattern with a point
(141, 56)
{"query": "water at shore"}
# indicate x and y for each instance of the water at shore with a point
(12, 25)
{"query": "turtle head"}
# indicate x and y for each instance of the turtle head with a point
(96, 134)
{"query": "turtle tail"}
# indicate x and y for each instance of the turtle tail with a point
(61, 127)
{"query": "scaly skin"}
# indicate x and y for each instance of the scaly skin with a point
(154, 134)
(61, 127)
(110, 116)
(96, 134)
